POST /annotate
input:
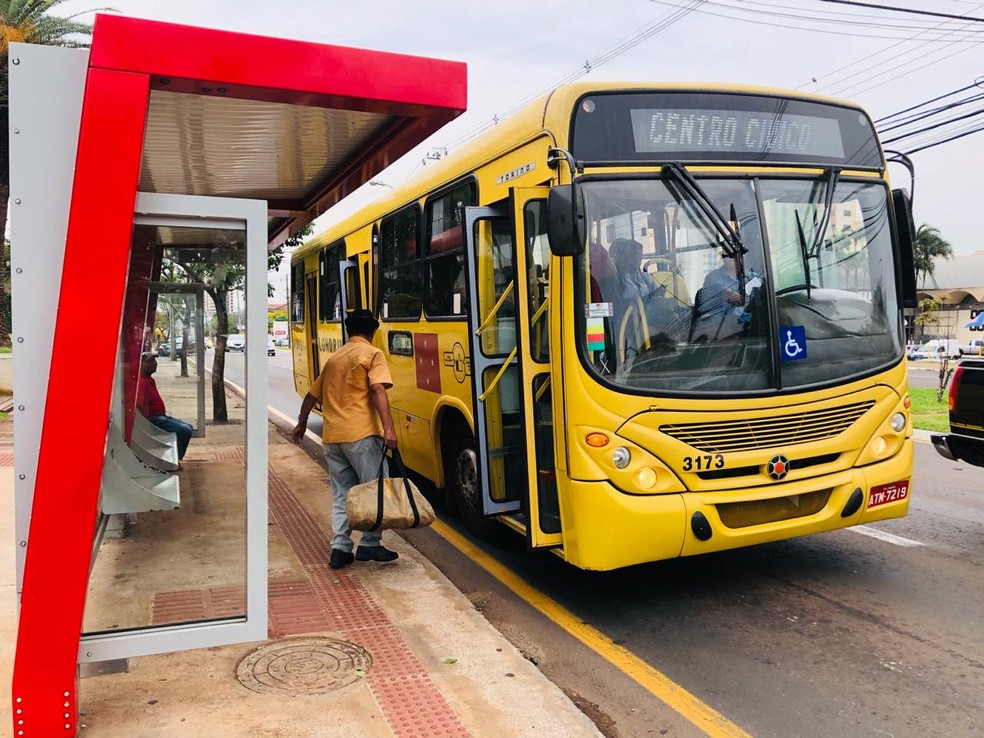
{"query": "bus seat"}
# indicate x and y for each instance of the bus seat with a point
(129, 485)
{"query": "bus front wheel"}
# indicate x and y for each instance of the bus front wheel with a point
(468, 488)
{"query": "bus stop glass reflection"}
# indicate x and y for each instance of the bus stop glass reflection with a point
(164, 565)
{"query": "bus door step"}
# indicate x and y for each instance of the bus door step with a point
(505, 451)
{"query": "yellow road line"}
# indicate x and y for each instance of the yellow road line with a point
(672, 694)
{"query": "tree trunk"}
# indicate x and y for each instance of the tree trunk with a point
(220, 413)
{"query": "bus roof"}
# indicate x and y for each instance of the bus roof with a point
(550, 112)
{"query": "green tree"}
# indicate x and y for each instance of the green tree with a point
(26, 21)
(218, 280)
(928, 246)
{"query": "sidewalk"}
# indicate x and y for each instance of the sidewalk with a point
(370, 650)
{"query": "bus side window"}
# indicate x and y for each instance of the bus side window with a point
(445, 292)
(399, 269)
(329, 306)
(297, 293)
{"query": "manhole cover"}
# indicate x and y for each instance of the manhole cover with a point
(301, 666)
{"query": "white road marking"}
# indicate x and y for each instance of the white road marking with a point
(887, 537)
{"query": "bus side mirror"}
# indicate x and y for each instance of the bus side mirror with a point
(565, 220)
(907, 236)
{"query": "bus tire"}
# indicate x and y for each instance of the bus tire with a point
(467, 488)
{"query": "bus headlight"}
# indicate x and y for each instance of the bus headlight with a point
(646, 477)
(621, 457)
(898, 422)
(879, 447)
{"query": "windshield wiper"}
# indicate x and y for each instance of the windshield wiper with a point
(730, 236)
(805, 252)
(830, 184)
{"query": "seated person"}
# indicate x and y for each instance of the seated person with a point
(151, 405)
(721, 288)
(635, 290)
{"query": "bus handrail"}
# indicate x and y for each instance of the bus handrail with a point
(543, 388)
(539, 313)
(497, 377)
(495, 308)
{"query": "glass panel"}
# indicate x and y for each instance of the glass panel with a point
(330, 303)
(655, 315)
(400, 268)
(538, 282)
(495, 283)
(504, 425)
(546, 469)
(444, 267)
(836, 282)
(667, 307)
(157, 564)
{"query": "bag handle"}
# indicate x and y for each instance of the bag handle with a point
(381, 484)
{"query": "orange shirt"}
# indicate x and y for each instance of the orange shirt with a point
(343, 389)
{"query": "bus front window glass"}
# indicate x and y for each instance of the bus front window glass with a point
(664, 307)
(836, 284)
(399, 280)
(444, 267)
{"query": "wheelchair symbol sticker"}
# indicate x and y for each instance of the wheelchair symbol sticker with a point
(792, 342)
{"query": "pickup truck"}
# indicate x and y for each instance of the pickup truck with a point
(965, 441)
(974, 347)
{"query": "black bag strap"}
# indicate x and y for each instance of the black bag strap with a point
(401, 471)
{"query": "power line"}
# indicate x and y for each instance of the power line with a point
(896, 9)
(976, 83)
(945, 140)
(662, 22)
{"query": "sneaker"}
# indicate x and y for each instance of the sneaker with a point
(375, 553)
(340, 558)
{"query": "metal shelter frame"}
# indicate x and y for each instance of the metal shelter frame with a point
(127, 143)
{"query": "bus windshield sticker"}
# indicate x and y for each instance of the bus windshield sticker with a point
(599, 310)
(596, 334)
(792, 339)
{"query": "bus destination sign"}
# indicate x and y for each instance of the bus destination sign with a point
(735, 131)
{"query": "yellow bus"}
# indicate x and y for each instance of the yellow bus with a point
(635, 322)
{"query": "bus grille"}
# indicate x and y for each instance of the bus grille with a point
(757, 433)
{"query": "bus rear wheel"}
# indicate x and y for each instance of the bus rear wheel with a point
(468, 489)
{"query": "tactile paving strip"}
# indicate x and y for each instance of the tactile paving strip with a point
(412, 704)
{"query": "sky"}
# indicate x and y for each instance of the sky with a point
(517, 49)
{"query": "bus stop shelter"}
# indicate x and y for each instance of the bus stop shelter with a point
(160, 142)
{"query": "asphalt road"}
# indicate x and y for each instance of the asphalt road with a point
(839, 634)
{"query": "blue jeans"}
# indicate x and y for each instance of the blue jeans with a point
(350, 464)
(179, 428)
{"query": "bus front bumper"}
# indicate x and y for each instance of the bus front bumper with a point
(605, 528)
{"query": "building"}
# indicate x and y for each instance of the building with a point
(958, 284)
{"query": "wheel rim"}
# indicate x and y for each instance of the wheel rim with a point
(467, 469)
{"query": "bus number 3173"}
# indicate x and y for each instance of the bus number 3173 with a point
(701, 463)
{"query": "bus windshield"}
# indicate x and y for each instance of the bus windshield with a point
(669, 307)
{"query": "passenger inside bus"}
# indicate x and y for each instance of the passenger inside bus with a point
(639, 316)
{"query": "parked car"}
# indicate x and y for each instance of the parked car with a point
(935, 349)
(965, 441)
(164, 348)
(236, 342)
(973, 347)
(271, 348)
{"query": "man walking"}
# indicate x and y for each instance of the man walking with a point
(151, 405)
(357, 425)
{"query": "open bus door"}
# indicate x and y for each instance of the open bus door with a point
(509, 382)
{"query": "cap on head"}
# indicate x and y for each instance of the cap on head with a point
(361, 322)
(147, 356)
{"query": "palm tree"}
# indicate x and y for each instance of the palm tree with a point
(929, 245)
(26, 21)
